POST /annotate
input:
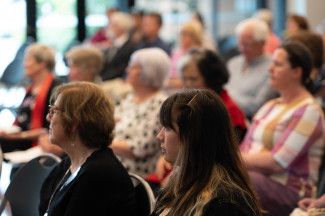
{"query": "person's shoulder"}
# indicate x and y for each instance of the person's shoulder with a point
(226, 204)
(104, 159)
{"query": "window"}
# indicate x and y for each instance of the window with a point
(12, 34)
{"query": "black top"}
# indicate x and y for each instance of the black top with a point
(227, 207)
(116, 60)
(23, 120)
(24, 112)
(101, 187)
(227, 203)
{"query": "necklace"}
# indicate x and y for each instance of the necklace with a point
(56, 189)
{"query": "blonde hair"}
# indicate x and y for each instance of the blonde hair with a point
(88, 58)
(42, 53)
(194, 28)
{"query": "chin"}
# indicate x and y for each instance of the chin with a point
(169, 160)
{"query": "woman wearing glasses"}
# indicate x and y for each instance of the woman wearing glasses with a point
(90, 180)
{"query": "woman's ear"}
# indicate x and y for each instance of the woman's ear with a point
(297, 72)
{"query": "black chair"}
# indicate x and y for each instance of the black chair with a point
(14, 72)
(24, 189)
(144, 195)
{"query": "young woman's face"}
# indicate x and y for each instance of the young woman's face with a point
(170, 144)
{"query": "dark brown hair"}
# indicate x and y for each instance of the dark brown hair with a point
(300, 20)
(208, 161)
(211, 67)
(300, 56)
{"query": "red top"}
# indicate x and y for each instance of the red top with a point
(236, 115)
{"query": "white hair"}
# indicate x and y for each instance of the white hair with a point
(259, 28)
(155, 65)
(123, 20)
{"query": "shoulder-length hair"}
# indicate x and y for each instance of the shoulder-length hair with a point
(87, 113)
(208, 161)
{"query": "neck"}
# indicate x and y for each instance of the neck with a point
(142, 93)
(78, 154)
(293, 93)
(39, 79)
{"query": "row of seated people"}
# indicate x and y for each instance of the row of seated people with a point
(147, 84)
(292, 63)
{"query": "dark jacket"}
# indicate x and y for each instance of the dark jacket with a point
(116, 61)
(101, 187)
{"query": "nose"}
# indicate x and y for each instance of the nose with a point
(160, 135)
(48, 117)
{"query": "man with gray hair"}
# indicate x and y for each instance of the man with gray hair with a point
(248, 84)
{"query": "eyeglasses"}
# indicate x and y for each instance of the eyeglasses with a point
(54, 109)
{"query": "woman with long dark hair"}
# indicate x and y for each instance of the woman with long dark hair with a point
(208, 177)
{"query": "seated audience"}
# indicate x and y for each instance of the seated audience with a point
(198, 139)
(137, 115)
(85, 63)
(151, 24)
(283, 147)
(205, 69)
(39, 64)
(90, 180)
(117, 55)
(248, 84)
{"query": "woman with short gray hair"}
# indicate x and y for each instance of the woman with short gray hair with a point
(137, 115)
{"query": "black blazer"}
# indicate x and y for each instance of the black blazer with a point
(101, 187)
(115, 67)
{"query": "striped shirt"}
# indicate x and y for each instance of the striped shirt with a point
(294, 133)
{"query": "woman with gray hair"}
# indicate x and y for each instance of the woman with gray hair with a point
(137, 115)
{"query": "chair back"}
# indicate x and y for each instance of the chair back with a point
(23, 192)
(144, 195)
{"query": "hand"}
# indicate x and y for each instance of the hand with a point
(306, 203)
(319, 203)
